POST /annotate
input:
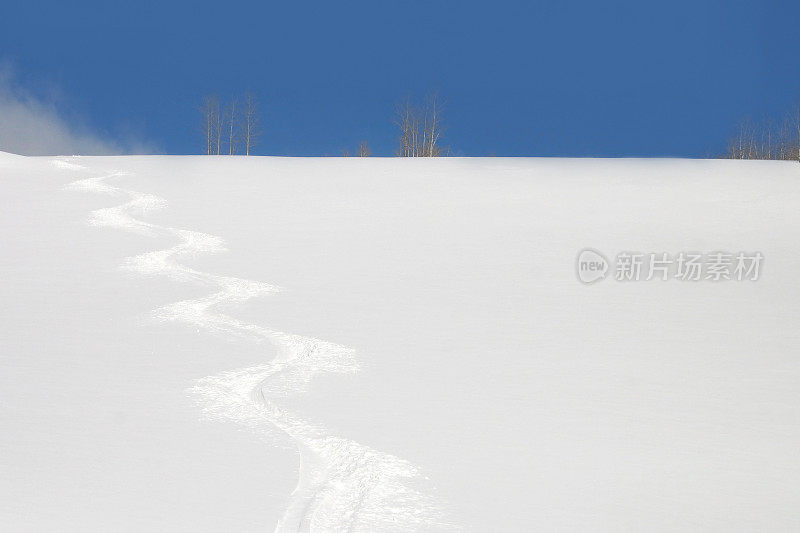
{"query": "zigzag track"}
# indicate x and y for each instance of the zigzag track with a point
(342, 485)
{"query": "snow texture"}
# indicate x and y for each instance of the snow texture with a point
(254, 343)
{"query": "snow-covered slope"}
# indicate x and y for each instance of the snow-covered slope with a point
(201, 343)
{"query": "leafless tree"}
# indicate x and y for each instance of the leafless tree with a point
(793, 126)
(767, 139)
(250, 122)
(210, 124)
(407, 120)
(432, 127)
(786, 148)
(363, 149)
(232, 126)
(420, 128)
(742, 145)
(218, 129)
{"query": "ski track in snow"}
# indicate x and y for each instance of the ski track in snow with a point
(342, 485)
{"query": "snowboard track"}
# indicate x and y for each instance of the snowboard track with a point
(342, 485)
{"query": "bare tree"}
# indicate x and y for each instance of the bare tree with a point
(210, 124)
(793, 126)
(406, 120)
(231, 125)
(767, 139)
(420, 128)
(218, 129)
(433, 127)
(363, 149)
(786, 143)
(250, 122)
(744, 144)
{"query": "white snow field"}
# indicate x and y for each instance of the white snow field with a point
(366, 344)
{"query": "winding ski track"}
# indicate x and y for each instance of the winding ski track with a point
(342, 485)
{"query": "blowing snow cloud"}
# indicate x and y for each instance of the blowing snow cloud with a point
(32, 125)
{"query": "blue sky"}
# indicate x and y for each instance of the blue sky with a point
(580, 78)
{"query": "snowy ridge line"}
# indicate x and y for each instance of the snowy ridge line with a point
(342, 485)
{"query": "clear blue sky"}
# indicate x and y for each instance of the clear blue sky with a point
(569, 78)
